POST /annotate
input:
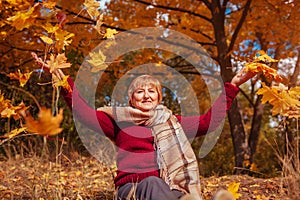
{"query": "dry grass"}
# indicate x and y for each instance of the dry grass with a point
(37, 178)
(86, 178)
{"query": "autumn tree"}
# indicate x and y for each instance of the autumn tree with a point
(64, 32)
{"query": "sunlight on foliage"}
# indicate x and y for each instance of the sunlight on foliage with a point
(281, 98)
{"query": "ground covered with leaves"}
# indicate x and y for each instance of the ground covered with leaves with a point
(86, 178)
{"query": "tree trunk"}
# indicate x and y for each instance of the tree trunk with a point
(255, 126)
(239, 138)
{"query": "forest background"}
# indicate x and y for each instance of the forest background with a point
(261, 140)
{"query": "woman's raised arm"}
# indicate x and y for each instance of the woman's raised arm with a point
(102, 123)
(195, 126)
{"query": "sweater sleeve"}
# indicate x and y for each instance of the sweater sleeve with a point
(91, 118)
(195, 126)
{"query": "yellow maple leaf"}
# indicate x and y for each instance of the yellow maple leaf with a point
(23, 78)
(23, 19)
(233, 189)
(258, 65)
(265, 69)
(14, 111)
(14, 132)
(264, 57)
(4, 103)
(46, 39)
(63, 83)
(110, 33)
(62, 39)
(46, 124)
(58, 62)
(8, 112)
(92, 8)
(51, 29)
(97, 60)
(281, 100)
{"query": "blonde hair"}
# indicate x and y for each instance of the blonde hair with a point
(141, 81)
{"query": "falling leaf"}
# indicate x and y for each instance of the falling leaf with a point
(46, 124)
(99, 24)
(51, 29)
(58, 62)
(14, 132)
(23, 19)
(97, 60)
(8, 112)
(13, 111)
(233, 189)
(110, 33)
(63, 83)
(23, 78)
(4, 103)
(92, 8)
(46, 39)
(62, 39)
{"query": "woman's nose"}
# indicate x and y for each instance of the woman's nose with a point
(146, 94)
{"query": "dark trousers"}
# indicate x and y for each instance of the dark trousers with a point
(151, 188)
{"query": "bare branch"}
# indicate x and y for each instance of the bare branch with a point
(239, 26)
(175, 9)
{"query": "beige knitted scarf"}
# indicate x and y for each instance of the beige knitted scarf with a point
(175, 156)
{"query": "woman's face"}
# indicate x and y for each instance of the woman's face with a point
(145, 98)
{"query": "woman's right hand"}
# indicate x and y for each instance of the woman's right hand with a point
(57, 72)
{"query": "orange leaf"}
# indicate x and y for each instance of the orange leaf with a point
(4, 103)
(258, 65)
(23, 78)
(265, 69)
(46, 124)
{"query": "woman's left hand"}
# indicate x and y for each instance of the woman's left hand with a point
(242, 77)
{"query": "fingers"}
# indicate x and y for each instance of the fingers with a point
(40, 62)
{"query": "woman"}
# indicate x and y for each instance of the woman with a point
(164, 166)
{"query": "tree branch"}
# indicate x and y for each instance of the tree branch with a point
(207, 4)
(24, 91)
(239, 26)
(174, 9)
(247, 97)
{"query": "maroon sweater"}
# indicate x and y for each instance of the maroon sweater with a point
(136, 157)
